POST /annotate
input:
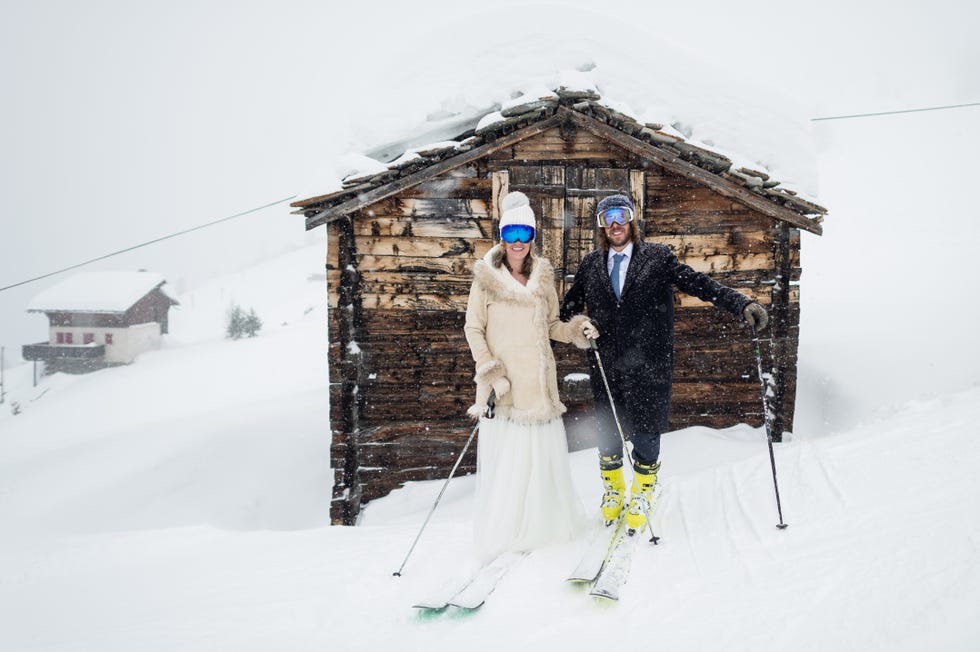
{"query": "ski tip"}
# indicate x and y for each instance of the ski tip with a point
(467, 608)
(604, 597)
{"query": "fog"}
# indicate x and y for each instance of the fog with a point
(122, 123)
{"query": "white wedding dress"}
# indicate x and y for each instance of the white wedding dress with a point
(525, 498)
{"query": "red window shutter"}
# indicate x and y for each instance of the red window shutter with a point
(88, 338)
(60, 338)
(68, 338)
(108, 338)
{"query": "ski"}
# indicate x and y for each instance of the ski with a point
(596, 554)
(616, 568)
(472, 595)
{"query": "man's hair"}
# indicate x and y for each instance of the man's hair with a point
(635, 236)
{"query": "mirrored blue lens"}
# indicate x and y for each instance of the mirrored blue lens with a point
(517, 233)
(617, 214)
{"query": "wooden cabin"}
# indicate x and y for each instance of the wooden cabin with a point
(401, 245)
(98, 319)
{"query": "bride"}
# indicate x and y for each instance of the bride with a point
(525, 498)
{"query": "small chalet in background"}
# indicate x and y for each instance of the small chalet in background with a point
(402, 242)
(98, 319)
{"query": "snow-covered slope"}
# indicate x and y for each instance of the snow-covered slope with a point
(182, 502)
(200, 432)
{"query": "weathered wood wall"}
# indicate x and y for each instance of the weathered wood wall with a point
(715, 376)
(398, 277)
(399, 274)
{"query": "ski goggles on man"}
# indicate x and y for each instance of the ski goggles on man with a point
(517, 233)
(615, 215)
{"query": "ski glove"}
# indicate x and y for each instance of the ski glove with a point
(589, 330)
(490, 375)
(755, 315)
(500, 386)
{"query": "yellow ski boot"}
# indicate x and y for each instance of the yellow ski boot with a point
(644, 480)
(614, 491)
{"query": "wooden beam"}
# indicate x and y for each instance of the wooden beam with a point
(501, 188)
(382, 192)
(782, 349)
(680, 166)
(638, 195)
(347, 369)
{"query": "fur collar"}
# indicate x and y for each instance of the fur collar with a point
(498, 282)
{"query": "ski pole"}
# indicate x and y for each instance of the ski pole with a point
(489, 413)
(602, 372)
(765, 418)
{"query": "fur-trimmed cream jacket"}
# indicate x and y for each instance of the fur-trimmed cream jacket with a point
(509, 327)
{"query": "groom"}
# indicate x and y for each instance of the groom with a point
(627, 286)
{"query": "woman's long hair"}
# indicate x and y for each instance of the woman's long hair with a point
(500, 258)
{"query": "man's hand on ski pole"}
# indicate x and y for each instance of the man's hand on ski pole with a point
(590, 331)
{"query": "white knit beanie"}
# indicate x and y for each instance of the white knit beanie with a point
(516, 209)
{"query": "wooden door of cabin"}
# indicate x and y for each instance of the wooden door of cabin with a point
(563, 198)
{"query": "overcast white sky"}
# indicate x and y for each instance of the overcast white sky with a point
(122, 121)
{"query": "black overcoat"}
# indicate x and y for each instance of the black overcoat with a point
(636, 333)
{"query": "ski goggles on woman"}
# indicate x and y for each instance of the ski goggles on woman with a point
(615, 214)
(517, 233)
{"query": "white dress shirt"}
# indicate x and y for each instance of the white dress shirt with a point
(628, 250)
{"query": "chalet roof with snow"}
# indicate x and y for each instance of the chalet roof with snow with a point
(526, 117)
(99, 292)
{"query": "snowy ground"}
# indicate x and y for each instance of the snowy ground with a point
(157, 507)
(181, 503)
(881, 554)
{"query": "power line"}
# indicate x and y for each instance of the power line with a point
(870, 115)
(144, 244)
(252, 210)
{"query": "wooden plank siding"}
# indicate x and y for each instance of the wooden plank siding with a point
(551, 146)
(398, 277)
(413, 256)
(752, 253)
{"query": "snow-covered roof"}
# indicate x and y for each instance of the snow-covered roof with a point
(103, 292)
(653, 72)
(578, 96)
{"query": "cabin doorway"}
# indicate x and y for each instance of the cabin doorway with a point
(563, 198)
